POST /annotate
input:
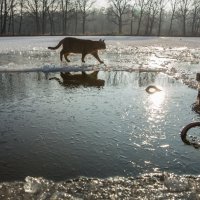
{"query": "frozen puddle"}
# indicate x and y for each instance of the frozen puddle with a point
(109, 126)
(68, 131)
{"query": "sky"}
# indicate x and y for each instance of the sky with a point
(101, 3)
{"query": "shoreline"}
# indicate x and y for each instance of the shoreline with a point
(150, 186)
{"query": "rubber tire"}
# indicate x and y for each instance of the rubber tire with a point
(154, 87)
(185, 130)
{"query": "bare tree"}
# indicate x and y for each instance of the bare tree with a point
(161, 4)
(195, 12)
(149, 13)
(184, 6)
(72, 16)
(34, 8)
(132, 13)
(21, 6)
(51, 9)
(4, 15)
(44, 15)
(1, 14)
(11, 11)
(141, 5)
(84, 6)
(173, 5)
(118, 8)
(46, 4)
(66, 8)
(75, 16)
(7, 16)
(154, 13)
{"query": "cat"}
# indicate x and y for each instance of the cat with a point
(75, 45)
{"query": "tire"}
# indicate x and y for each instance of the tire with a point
(148, 89)
(186, 129)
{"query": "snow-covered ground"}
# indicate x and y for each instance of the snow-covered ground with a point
(176, 56)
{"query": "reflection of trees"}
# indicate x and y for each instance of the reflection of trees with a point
(117, 77)
(18, 85)
(125, 78)
(12, 86)
(145, 78)
(40, 76)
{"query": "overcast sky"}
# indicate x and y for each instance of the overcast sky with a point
(101, 3)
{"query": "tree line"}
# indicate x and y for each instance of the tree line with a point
(85, 17)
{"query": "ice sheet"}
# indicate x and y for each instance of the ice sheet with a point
(179, 57)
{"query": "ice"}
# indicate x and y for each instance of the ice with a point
(175, 57)
(148, 186)
(175, 184)
(122, 53)
(33, 185)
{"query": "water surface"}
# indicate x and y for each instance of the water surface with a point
(60, 131)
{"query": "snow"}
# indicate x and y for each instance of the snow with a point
(126, 53)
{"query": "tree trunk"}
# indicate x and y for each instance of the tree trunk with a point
(66, 15)
(13, 23)
(194, 21)
(63, 17)
(160, 22)
(37, 23)
(37, 20)
(147, 25)
(152, 23)
(139, 22)
(51, 21)
(3, 30)
(1, 15)
(9, 23)
(76, 22)
(184, 25)
(44, 7)
(132, 15)
(21, 17)
(120, 25)
(83, 24)
(131, 32)
(171, 22)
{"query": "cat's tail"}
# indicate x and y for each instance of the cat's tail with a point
(57, 79)
(56, 47)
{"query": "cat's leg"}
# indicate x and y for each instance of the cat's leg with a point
(65, 55)
(83, 73)
(61, 54)
(95, 54)
(83, 57)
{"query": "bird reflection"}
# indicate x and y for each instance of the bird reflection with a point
(83, 79)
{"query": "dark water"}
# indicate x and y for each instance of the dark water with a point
(60, 131)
